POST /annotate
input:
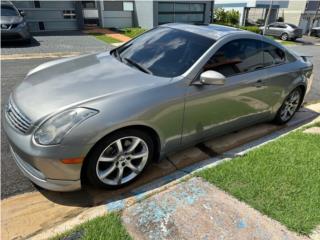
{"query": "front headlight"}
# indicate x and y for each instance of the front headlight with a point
(53, 130)
(21, 25)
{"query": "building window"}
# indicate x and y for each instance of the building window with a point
(69, 14)
(88, 4)
(180, 12)
(113, 6)
(37, 4)
(127, 6)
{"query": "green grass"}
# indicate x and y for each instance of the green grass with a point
(280, 179)
(105, 38)
(108, 227)
(283, 42)
(132, 32)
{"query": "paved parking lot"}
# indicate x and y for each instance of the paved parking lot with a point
(73, 41)
(13, 72)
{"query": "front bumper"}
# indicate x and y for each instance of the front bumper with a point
(15, 34)
(42, 164)
(39, 179)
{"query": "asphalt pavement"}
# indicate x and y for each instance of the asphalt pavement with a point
(314, 51)
(13, 72)
(66, 41)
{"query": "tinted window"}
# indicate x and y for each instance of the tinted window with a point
(164, 51)
(272, 55)
(238, 56)
(281, 26)
(8, 11)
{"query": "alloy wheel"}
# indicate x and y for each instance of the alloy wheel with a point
(284, 37)
(122, 160)
(290, 105)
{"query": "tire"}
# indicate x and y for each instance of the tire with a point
(113, 158)
(289, 107)
(284, 37)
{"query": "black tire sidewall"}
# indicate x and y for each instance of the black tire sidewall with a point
(278, 119)
(95, 153)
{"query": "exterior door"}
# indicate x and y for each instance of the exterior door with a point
(217, 109)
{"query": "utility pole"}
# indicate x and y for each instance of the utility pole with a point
(267, 18)
(313, 19)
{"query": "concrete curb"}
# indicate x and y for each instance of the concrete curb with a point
(38, 55)
(165, 182)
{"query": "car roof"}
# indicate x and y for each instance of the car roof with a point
(213, 31)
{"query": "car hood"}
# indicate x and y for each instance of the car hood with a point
(10, 19)
(58, 85)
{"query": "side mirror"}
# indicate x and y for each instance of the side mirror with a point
(22, 13)
(211, 78)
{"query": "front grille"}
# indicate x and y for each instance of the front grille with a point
(16, 118)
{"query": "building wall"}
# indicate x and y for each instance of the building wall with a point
(115, 16)
(49, 15)
(144, 14)
(256, 8)
(292, 14)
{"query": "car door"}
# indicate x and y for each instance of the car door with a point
(217, 109)
(271, 29)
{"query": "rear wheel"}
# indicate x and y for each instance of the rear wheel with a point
(120, 158)
(289, 107)
(284, 37)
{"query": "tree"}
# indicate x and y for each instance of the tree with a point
(220, 15)
(233, 17)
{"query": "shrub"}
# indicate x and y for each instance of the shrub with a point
(233, 17)
(251, 29)
(220, 15)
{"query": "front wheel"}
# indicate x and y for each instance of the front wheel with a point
(289, 107)
(120, 158)
(284, 37)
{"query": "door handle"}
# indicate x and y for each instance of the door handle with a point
(259, 83)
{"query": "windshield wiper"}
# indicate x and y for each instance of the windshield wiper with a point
(137, 65)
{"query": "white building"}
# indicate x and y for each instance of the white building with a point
(253, 10)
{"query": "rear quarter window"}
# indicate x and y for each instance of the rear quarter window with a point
(273, 55)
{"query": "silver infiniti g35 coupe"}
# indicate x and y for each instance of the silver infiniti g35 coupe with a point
(103, 117)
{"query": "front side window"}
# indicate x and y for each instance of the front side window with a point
(8, 11)
(164, 51)
(235, 57)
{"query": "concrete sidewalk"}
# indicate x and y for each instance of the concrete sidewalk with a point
(196, 209)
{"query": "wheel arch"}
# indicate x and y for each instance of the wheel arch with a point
(152, 132)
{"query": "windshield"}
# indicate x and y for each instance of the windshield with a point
(164, 51)
(8, 11)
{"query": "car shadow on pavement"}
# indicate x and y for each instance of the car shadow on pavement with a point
(166, 170)
(20, 44)
(90, 196)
